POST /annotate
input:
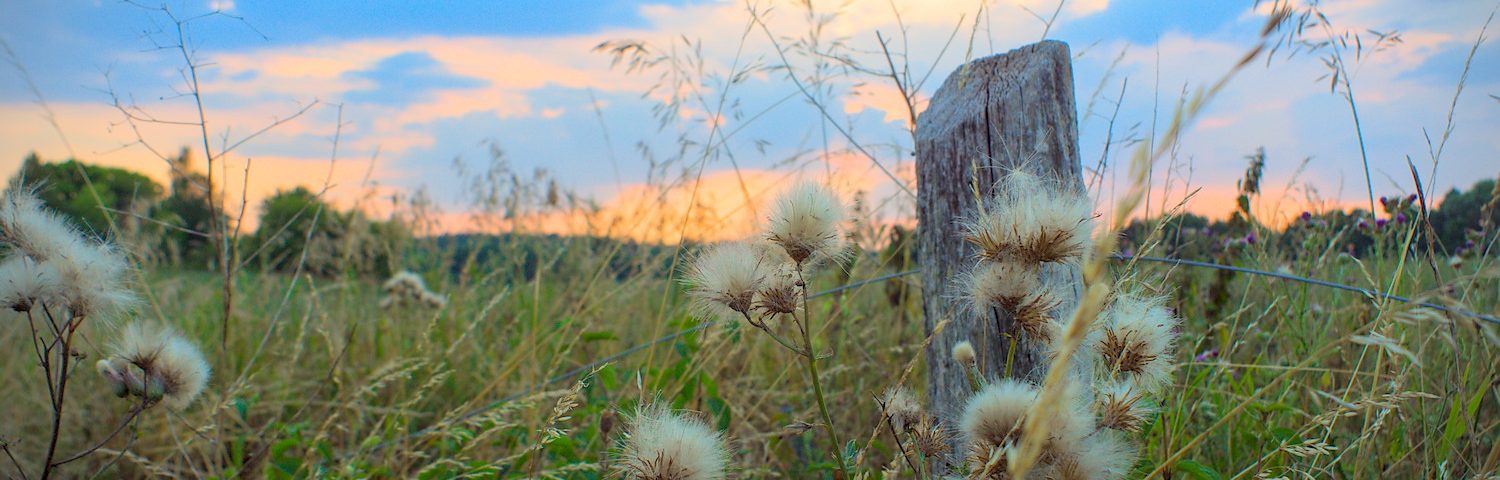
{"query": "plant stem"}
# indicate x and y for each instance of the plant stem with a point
(812, 371)
(62, 389)
(134, 412)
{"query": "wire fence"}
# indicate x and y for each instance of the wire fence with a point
(590, 366)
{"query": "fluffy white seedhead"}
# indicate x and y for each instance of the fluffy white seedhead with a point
(94, 279)
(902, 408)
(1014, 288)
(157, 364)
(1104, 455)
(406, 286)
(90, 274)
(665, 446)
(27, 225)
(993, 417)
(1122, 406)
(1137, 341)
(25, 283)
(963, 353)
(723, 280)
(805, 223)
(1032, 220)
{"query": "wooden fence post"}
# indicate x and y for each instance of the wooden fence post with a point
(992, 115)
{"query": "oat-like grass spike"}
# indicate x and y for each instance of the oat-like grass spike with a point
(1031, 219)
(157, 364)
(805, 222)
(661, 445)
(1137, 340)
(723, 280)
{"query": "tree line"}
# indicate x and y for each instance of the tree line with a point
(180, 224)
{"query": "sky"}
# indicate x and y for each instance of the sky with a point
(385, 103)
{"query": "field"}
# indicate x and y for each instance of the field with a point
(316, 380)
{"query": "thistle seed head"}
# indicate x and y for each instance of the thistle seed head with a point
(805, 222)
(157, 364)
(1137, 340)
(724, 279)
(664, 446)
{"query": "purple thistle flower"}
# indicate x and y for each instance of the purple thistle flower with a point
(1207, 355)
(1380, 223)
(1401, 218)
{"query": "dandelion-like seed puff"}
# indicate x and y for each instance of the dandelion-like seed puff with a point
(805, 223)
(157, 364)
(1031, 220)
(1137, 340)
(662, 445)
(723, 280)
(1014, 288)
(53, 262)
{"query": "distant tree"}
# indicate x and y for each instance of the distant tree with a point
(188, 208)
(91, 195)
(296, 221)
(1462, 211)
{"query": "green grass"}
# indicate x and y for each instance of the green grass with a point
(343, 388)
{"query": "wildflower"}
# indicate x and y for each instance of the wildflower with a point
(780, 293)
(1014, 288)
(24, 283)
(664, 446)
(901, 408)
(1031, 220)
(1137, 340)
(723, 281)
(157, 364)
(805, 223)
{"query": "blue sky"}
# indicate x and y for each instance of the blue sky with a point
(414, 89)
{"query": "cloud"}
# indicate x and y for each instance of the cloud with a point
(404, 77)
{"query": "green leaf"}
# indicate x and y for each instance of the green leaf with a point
(1197, 470)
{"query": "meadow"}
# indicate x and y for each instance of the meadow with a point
(1337, 349)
